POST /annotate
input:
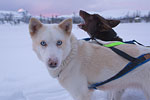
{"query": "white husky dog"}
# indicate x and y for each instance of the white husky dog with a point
(77, 63)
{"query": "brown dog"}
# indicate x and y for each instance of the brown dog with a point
(98, 27)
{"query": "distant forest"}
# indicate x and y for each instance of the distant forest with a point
(25, 17)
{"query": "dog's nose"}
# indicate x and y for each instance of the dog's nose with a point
(52, 63)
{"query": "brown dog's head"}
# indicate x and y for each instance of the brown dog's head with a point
(95, 23)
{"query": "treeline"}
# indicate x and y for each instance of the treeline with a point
(14, 19)
(24, 17)
(135, 18)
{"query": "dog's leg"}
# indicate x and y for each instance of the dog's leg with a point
(77, 88)
(84, 96)
(109, 95)
(118, 94)
(147, 92)
(148, 96)
(115, 95)
(81, 94)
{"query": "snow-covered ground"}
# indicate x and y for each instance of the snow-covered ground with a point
(24, 77)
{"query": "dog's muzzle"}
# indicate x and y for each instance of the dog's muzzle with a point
(52, 63)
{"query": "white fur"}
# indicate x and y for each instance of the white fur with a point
(82, 63)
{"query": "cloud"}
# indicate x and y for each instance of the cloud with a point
(44, 7)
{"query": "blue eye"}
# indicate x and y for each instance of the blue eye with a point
(59, 42)
(43, 43)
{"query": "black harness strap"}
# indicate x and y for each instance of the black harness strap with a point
(119, 52)
(123, 54)
(131, 66)
(134, 63)
(98, 42)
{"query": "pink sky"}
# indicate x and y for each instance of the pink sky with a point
(59, 7)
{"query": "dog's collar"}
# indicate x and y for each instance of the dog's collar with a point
(70, 56)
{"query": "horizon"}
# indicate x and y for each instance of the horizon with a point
(67, 7)
(103, 13)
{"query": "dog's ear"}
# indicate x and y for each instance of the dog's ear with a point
(66, 25)
(113, 23)
(104, 27)
(34, 26)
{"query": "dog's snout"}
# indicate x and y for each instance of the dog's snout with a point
(81, 12)
(52, 62)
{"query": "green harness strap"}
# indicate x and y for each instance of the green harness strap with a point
(113, 44)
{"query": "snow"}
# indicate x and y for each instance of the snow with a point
(67, 16)
(24, 77)
(14, 13)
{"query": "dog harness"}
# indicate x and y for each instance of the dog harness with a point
(133, 64)
(113, 44)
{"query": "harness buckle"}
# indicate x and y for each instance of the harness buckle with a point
(147, 56)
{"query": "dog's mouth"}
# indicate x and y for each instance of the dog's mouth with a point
(81, 25)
